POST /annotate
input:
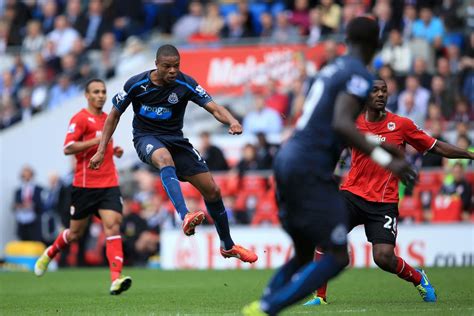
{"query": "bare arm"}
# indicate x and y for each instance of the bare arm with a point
(109, 128)
(450, 151)
(222, 115)
(78, 147)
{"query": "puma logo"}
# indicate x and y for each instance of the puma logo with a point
(144, 87)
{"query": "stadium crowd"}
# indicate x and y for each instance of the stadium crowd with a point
(55, 46)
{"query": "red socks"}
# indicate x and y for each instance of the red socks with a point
(114, 254)
(321, 292)
(406, 272)
(59, 244)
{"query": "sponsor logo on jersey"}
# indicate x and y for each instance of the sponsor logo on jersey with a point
(377, 139)
(155, 112)
(173, 98)
(148, 148)
(119, 97)
(200, 90)
(391, 126)
(71, 128)
(91, 119)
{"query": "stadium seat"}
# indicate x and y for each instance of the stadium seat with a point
(429, 184)
(266, 210)
(446, 208)
(189, 191)
(410, 207)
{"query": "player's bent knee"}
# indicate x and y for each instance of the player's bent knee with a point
(74, 236)
(213, 194)
(383, 259)
(161, 158)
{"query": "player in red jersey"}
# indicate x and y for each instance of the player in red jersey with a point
(94, 192)
(371, 192)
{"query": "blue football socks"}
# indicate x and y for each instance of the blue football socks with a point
(173, 189)
(281, 277)
(219, 215)
(306, 280)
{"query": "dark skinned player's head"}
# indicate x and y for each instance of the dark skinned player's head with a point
(378, 96)
(167, 63)
(362, 33)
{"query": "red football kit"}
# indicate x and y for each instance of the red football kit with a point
(366, 178)
(82, 127)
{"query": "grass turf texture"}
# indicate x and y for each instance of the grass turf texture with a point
(155, 292)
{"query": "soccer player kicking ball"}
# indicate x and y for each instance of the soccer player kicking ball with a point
(159, 98)
(371, 192)
(94, 192)
(312, 210)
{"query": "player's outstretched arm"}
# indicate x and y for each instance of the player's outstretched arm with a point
(450, 151)
(222, 115)
(346, 110)
(78, 147)
(109, 128)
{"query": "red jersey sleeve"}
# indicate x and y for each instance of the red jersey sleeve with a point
(75, 130)
(417, 137)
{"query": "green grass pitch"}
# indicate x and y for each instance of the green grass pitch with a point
(156, 292)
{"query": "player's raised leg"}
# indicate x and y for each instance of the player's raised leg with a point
(63, 240)
(215, 206)
(385, 258)
(111, 221)
(162, 159)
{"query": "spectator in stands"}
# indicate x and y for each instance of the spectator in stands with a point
(421, 97)
(383, 13)
(62, 36)
(7, 87)
(62, 91)
(93, 24)
(464, 142)
(104, 60)
(274, 99)
(407, 108)
(15, 29)
(330, 53)
(430, 159)
(9, 115)
(19, 71)
(392, 90)
(28, 206)
(247, 19)
(450, 80)
(249, 161)
(235, 29)
(397, 53)
(49, 10)
(440, 96)
(73, 12)
(265, 151)
(26, 108)
(331, 14)
(189, 23)
(57, 199)
(262, 119)
(456, 184)
(284, 32)
(454, 58)
(4, 30)
(34, 39)
(70, 67)
(435, 116)
(317, 29)
(386, 72)
(461, 112)
(212, 23)
(299, 16)
(212, 154)
(408, 20)
(127, 17)
(428, 27)
(39, 88)
(266, 22)
(420, 70)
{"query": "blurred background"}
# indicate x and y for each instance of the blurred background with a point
(258, 59)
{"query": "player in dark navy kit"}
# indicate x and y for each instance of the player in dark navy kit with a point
(371, 192)
(312, 210)
(159, 98)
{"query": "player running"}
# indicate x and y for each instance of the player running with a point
(312, 210)
(159, 99)
(371, 192)
(94, 192)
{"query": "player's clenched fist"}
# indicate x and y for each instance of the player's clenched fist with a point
(235, 128)
(96, 160)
